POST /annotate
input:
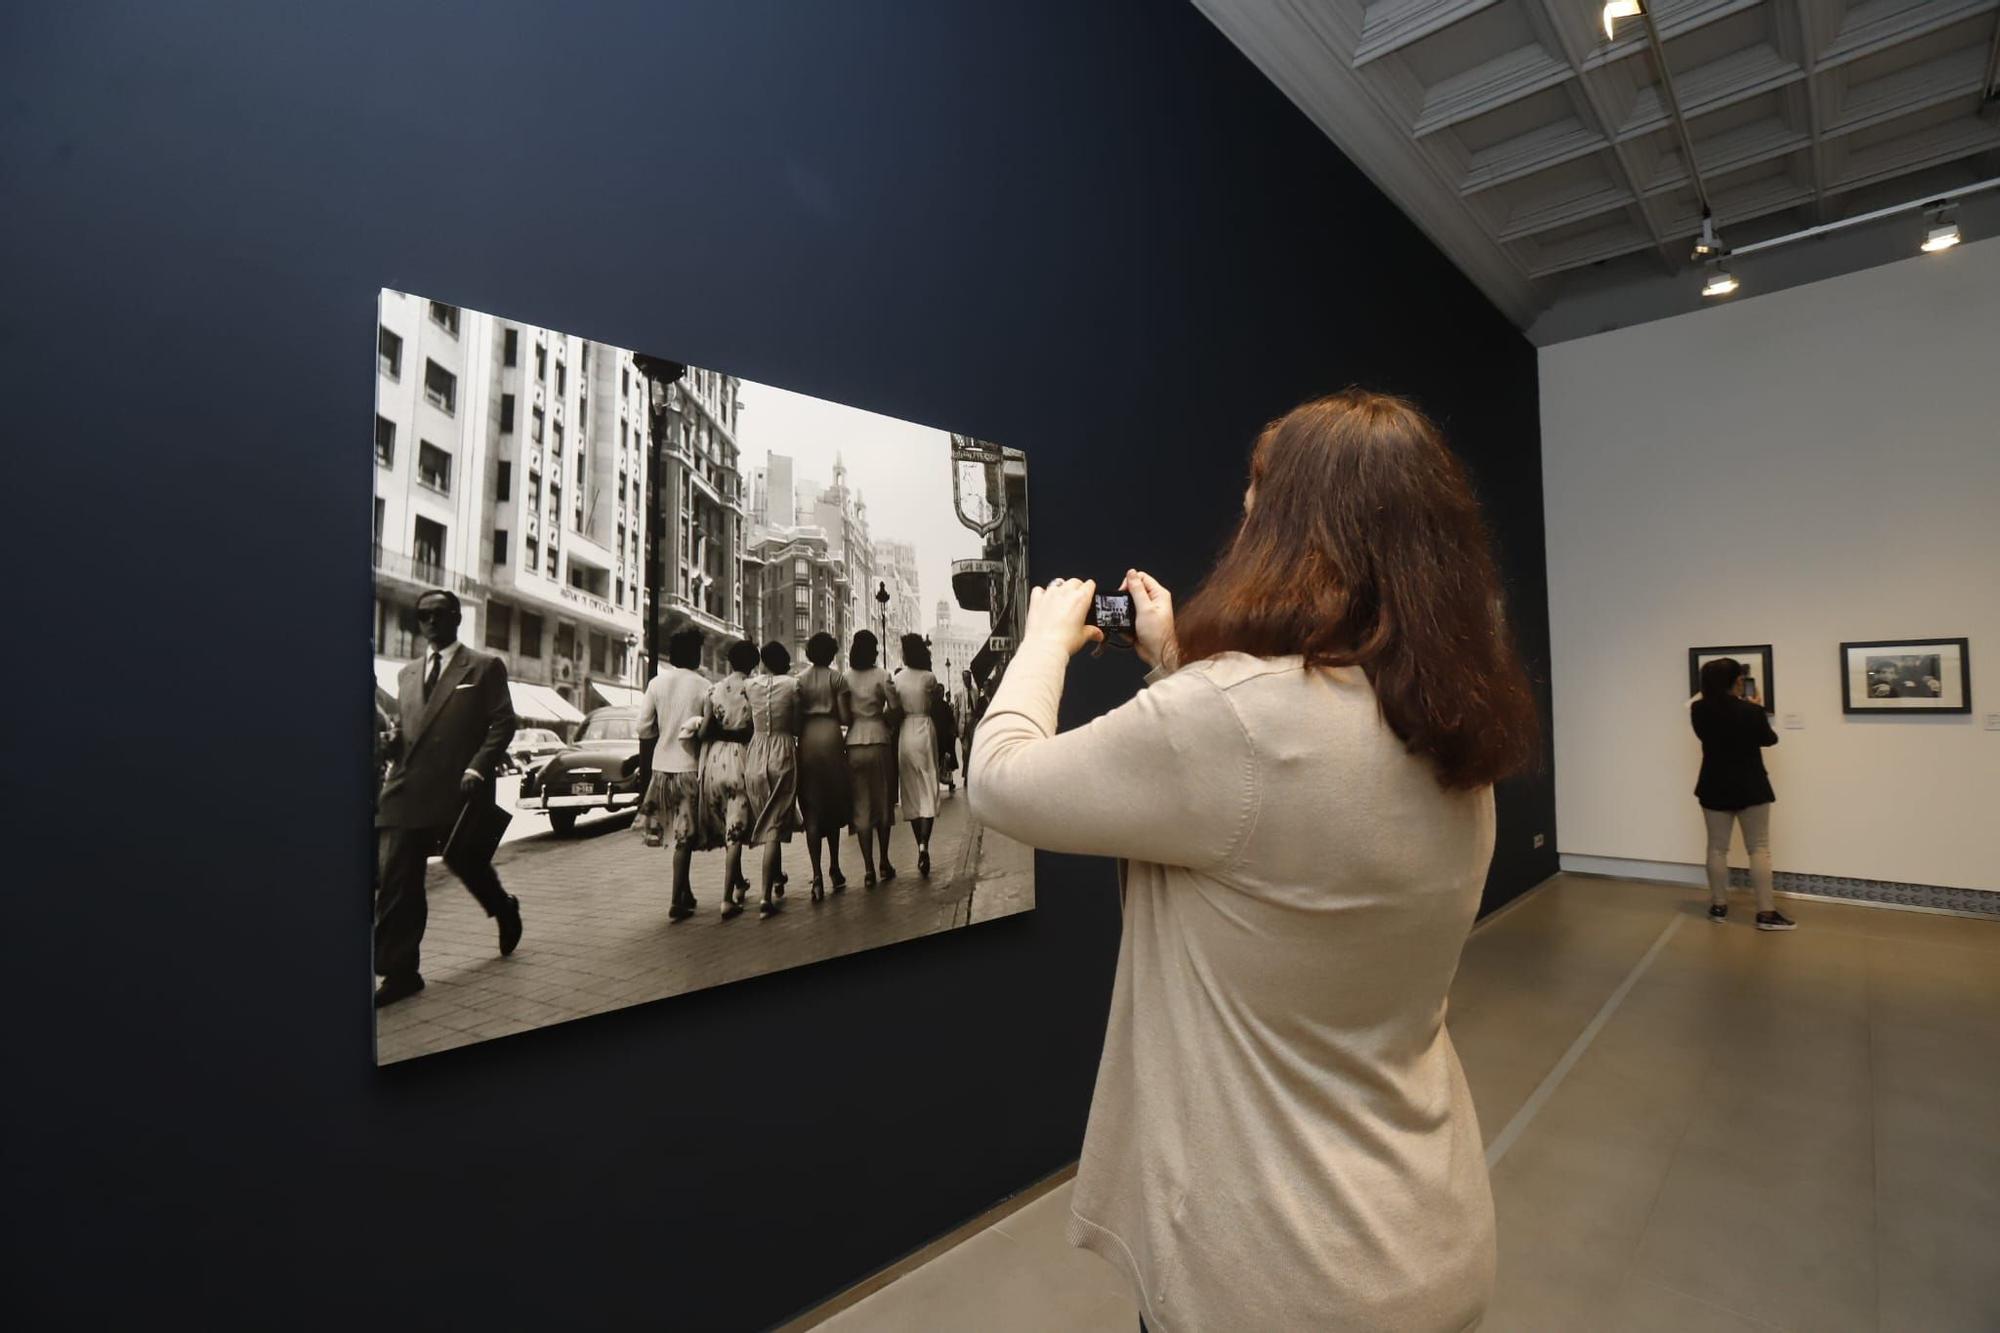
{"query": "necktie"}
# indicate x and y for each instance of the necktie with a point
(431, 677)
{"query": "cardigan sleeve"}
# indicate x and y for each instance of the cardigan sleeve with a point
(1168, 777)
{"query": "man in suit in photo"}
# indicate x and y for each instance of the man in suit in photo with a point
(454, 719)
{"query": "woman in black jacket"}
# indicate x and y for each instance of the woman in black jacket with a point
(1733, 787)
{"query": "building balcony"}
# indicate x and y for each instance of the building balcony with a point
(681, 605)
(418, 572)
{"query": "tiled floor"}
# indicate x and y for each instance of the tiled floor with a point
(1766, 1132)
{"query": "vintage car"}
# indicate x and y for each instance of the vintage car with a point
(530, 746)
(597, 771)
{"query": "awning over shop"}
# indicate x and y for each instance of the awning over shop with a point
(386, 672)
(622, 696)
(539, 703)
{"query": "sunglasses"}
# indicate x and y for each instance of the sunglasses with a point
(434, 613)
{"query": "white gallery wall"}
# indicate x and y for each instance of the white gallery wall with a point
(1816, 465)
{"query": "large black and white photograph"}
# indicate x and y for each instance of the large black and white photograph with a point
(1904, 676)
(676, 675)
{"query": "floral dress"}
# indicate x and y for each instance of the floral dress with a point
(726, 813)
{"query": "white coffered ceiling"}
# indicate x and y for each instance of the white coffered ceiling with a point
(1531, 148)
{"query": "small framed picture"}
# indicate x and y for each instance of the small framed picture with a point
(1755, 685)
(1906, 676)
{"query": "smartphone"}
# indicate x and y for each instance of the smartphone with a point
(1112, 612)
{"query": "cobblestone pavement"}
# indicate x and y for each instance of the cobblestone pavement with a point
(597, 935)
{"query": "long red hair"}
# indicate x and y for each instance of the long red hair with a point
(1363, 545)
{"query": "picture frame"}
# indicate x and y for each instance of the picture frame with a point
(1756, 657)
(1919, 675)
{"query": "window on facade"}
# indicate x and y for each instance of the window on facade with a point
(802, 597)
(562, 379)
(565, 640)
(555, 560)
(542, 364)
(389, 353)
(380, 510)
(506, 413)
(625, 382)
(600, 652)
(510, 348)
(620, 585)
(503, 482)
(440, 387)
(532, 557)
(579, 469)
(385, 442)
(499, 546)
(535, 425)
(499, 626)
(557, 446)
(427, 550)
(531, 633)
(799, 569)
(434, 467)
(445, 316)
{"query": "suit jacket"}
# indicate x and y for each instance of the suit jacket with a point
(1733, 735)
(465, 725)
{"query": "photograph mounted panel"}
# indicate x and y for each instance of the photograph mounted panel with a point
(578, 549)
(1906, 676)
(1757, 685)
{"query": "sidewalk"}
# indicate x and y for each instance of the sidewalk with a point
(597, 936)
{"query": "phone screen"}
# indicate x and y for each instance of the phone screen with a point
(1113, 612)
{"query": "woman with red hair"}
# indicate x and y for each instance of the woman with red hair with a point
(1281, 1135)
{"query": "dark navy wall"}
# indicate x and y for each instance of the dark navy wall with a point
(1089, 229)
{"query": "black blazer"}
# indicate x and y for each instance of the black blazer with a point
(1733, 735)
(465, 725)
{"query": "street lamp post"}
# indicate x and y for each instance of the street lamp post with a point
(659, 374)
(882, 600)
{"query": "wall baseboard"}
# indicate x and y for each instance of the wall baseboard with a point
(1981, 903)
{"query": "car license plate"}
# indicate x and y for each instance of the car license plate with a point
(583, 789)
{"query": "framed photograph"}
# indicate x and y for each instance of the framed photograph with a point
(1756, 685)
(603, 581)
(1906, 676)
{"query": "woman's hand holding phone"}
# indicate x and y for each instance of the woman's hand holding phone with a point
(1060, 614)
(1153, 619)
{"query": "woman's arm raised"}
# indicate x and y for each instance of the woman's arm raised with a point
(1169, 777)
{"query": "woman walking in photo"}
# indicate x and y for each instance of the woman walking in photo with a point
(771, 767)
(825, 785)
(1733, 787)
(671, 712)
(726, 814)
(917, 693)
(871, 755)
(944, 719)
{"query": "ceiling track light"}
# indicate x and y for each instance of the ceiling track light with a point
(1619, 9)
(1942, 233)
(1720, 281)
(1708, 245)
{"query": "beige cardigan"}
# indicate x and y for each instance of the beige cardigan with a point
(1281, 1136)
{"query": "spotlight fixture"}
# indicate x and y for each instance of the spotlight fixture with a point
(1720, 281)
(1943, 232)
(1708, 245)
(1619, 9)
